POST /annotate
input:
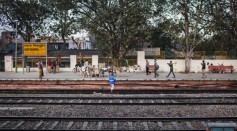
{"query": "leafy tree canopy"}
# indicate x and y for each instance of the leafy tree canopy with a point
(28, 15)
(119, 25)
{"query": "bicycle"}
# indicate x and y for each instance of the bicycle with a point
(76, 69)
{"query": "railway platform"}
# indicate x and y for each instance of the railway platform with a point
(120, 76)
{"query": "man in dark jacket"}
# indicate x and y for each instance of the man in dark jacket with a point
(156, 67)
(171, 69)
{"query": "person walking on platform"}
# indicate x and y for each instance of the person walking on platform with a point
(147, 68)
(112, 81)
(57, 65)
(156, 67)
(49, 67)
(41, 72)
(203, 69)
(171, 69)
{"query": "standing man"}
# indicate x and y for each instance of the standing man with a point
(126, 63)
(41, 72)
(112, 81)
(171, 69)
(203, 69)
(147, 68)
(57, 65)
(156, 67)
(49, 66)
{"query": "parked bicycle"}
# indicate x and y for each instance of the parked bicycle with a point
(76, 68)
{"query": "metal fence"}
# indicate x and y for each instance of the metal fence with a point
(215, 55)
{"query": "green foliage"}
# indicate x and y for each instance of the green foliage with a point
(28, 14)
(220, 41)
(118, 25)
(64, 21)
(161, 39)
(124, 25)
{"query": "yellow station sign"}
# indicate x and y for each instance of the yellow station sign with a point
(34, 48)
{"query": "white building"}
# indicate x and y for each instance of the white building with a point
(84, 42)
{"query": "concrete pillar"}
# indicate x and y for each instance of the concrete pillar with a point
(141, 59)
(8, 63)
(95, 60)
(73, 61)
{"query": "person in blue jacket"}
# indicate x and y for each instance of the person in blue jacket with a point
(112, 81)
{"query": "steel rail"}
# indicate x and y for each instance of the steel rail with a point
(86, 129)
(139, 91)
(234, 118)
(56, 120)
(111, 104)
(109, 97)
(122, 100)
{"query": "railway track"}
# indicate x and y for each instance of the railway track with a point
(117, 123)
(118, 91)
(119, 100)
(15, 118)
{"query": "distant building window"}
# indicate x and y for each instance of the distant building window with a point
(56, 47)
(11, 46)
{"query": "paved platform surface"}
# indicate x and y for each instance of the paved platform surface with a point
(120, 76)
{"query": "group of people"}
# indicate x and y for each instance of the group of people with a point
(112, 78)
(53, 66)
(156, 67)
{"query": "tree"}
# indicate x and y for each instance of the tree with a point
(78, 44)
(161, 39)
(189, 25)
(220, 41)
(117, 24)
(64, 19)
(224, 14)
(28, 15)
